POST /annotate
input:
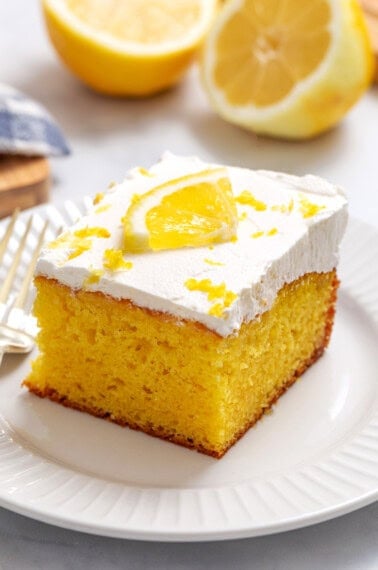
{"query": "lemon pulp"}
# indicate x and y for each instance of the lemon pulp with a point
(192, 211)
(136, 20)
(271, 53)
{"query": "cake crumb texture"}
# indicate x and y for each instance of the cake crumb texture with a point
(172, 378)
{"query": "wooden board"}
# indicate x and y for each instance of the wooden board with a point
(370, 8)
(24, 182)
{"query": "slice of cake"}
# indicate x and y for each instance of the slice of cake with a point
(190, 344)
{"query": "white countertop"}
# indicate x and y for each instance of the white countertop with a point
(108, 136)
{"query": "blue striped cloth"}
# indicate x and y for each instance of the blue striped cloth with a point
(27, 128)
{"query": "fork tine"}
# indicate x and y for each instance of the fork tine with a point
(8, 233)
(23, 293)
(6, 287)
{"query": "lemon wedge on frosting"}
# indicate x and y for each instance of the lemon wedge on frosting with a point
(192, 211)
(287, 68)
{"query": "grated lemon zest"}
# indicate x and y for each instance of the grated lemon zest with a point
(103, 208)
(272, 232)
(211, 262)
(92, 232)
(97, 199)
(144, 171)
(309, 209)
(284, 208)
(248, 199)
(79, 241)
(114, 261)
(93, 277)
(213, 292)
(216, 310)
(268, 233)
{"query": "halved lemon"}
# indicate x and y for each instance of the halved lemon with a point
(128, 47)
(287, 68)
(192, 211)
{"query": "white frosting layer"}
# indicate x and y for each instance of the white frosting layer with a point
(254, 268)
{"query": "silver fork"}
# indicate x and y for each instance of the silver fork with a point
(17, 327)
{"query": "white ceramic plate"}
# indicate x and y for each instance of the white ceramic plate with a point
(315, 457)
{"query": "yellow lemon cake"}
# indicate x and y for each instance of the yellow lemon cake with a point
(189, 344)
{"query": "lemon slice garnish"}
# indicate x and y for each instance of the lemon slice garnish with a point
(192, 211)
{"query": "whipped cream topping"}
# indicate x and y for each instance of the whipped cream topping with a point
(288, 226)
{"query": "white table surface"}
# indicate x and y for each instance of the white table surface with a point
(107, 137)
